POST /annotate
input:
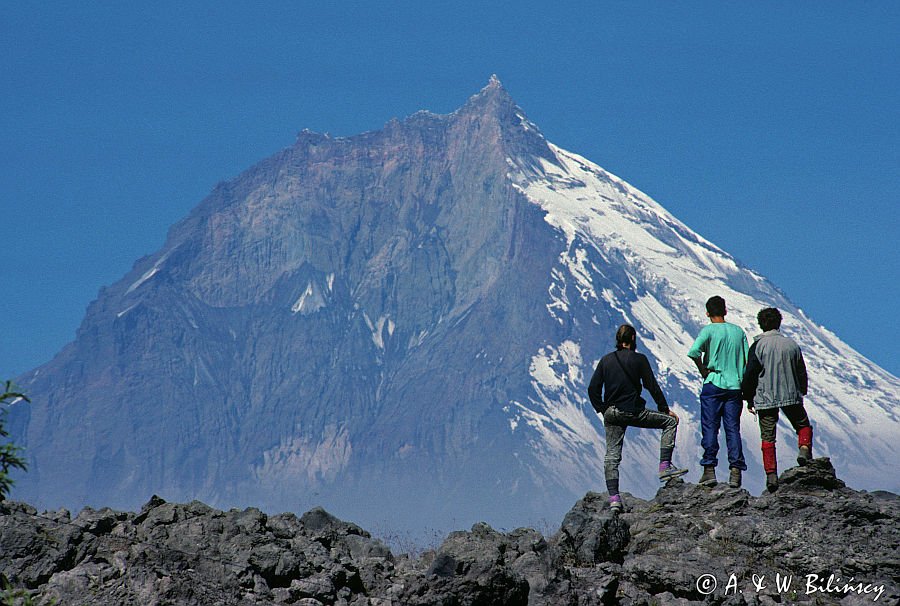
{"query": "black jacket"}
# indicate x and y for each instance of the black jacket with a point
(610, 385)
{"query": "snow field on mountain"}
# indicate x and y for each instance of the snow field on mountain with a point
(671, 271)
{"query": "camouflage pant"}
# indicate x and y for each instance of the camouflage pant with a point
(617, 421)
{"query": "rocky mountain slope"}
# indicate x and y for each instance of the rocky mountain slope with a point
(402, 324)
(815, 541)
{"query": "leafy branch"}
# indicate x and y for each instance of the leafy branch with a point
(10, 454)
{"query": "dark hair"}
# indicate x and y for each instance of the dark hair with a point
(626, 335)
(715, 306)
(769, 319)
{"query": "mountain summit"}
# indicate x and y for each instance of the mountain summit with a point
(400, 326)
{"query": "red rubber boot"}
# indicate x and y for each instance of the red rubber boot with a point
(770, 464)
(804, 442)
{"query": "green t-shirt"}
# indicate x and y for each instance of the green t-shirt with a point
(723, 349)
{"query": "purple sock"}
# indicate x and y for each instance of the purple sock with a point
(664, 465)
(614, 498)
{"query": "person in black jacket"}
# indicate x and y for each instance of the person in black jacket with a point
(615, 393)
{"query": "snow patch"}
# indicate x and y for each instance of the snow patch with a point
(566, 439)
(378, 329)
(147, 274)
(310, 301)
(559, 302)
(126, 310)
(418, 339)
(201, 372)
(552, 367)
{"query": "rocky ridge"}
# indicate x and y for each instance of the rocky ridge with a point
(815, 541)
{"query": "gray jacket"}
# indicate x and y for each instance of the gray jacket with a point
(775, 375)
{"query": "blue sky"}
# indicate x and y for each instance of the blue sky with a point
(771, 128)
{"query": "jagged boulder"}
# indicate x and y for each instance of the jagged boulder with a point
(190, 554)
(33, 548)
(813, 525)
(471, 568)
(591, 534)
(814, 541)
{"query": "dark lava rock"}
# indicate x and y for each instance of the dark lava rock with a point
(470, 568)
(814, 541)
(590, 534)
(813, 525)
(189, 554)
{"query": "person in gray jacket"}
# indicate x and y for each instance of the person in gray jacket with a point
(775, 380)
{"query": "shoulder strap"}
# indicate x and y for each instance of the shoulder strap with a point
(634, 383)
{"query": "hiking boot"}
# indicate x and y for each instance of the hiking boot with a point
(734, 478)
(615, 504)
(667, 471)
(772, 482)
(804, 455)
(709, 476)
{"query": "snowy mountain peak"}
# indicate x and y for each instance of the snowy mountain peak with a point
(403, 323)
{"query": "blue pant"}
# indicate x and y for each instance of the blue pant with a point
(721, 407)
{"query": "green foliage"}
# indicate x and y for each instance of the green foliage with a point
(11, 596)
(10, 454)
(15, 597)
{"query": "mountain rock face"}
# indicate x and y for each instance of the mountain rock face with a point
(815, 541)
(400, 326)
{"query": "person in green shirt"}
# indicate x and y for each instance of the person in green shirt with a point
(720, 353)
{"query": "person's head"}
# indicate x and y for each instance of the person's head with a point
(626, 337)
(769, 319)
(715, 307)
